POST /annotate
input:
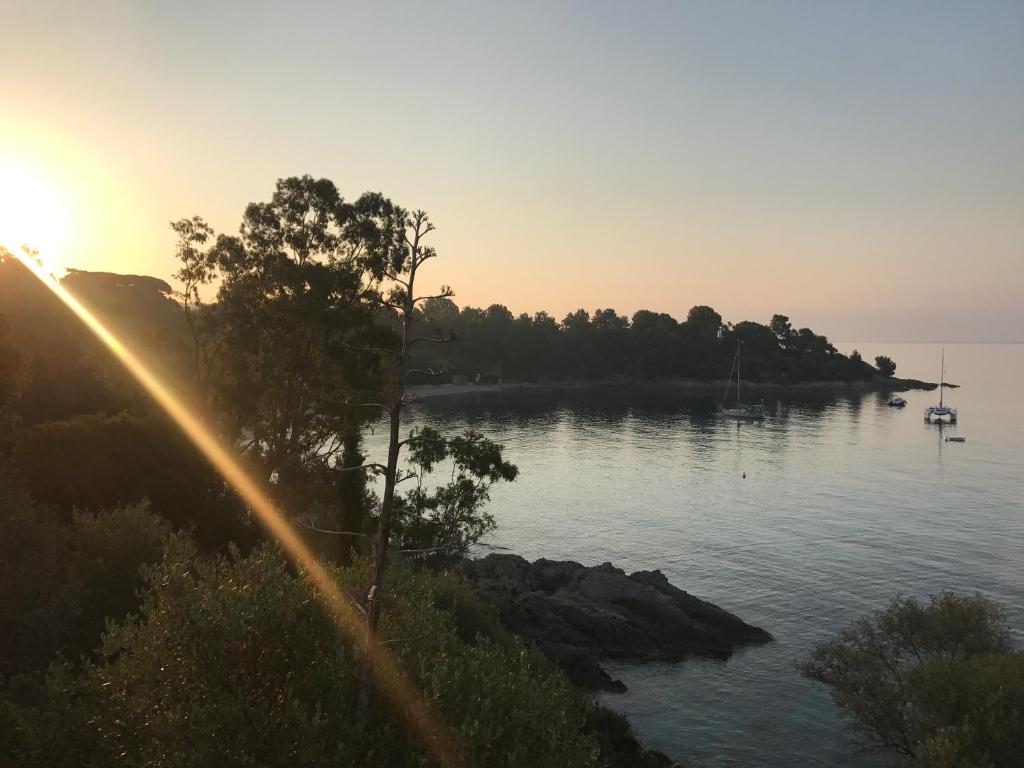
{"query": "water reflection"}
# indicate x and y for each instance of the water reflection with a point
(845, 502)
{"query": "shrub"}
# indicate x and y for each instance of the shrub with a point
(96, 462)
(885, 365)
(234, 661)
(59, 583)
(938, 683)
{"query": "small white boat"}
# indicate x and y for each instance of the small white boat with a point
(941, 413)
(740, 410)
(897, 402)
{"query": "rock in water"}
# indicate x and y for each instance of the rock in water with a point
(576, 615)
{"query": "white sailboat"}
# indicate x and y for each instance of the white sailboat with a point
(739, 410)
(941, 413)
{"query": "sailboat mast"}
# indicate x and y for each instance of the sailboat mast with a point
(739, 399)
(728, 382)
(942, 375)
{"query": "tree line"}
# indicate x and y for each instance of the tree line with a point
(496, 344)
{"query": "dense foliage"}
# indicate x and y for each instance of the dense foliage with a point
(938, 683)
(62, 577)
(496, 344)
(885, 365)
(232, 661)
(97, 462)
(450, 516)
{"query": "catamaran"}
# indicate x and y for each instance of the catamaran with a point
(739, 410)
(941, 413)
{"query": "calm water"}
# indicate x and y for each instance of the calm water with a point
(846, 502)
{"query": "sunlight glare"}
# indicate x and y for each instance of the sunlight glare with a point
(392, 681)
(34, 212)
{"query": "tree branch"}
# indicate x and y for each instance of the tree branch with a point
(366, 405)
(427, 339)
(372, 350)
(445, 293)
(332, 533)
(445, 440)
(409, 476)
(378, 467)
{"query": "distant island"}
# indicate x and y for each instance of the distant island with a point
(497, 348)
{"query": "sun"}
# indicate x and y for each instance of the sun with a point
(34, 212)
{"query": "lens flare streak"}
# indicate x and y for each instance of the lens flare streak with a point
(391, 680)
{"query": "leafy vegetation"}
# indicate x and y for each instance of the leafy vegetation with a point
(885, 365)
(232, 660)
(650, 345)
(938, 683)
(61, 579)
(97, 462)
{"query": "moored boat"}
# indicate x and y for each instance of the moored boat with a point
(896, 402)
(941, 413)
(740, 410)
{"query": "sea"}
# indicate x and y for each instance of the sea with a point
(821, 514)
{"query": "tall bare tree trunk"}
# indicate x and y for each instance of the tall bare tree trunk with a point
(375, 595)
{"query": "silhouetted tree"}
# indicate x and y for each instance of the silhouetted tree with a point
(650, 345)
(781, 328)
(704, 324)
(452, 511)
(276, 352)
(198, 268)
(885, 365)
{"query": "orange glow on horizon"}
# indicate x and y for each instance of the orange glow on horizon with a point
(391, 680)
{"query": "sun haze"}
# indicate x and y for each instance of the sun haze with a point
(859, 167)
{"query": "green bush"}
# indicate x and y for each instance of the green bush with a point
(109, 461)
(234, 661)
(938, 683)
(972, 711)
(59, 583)
(32, 574)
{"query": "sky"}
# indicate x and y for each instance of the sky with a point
(858, 166)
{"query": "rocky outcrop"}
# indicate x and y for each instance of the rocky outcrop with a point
(577, 615)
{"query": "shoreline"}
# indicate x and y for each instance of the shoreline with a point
(426, 391)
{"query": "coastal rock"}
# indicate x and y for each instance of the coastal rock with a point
(577, 615)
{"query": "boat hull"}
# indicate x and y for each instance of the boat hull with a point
(940, 415)
(747, 414)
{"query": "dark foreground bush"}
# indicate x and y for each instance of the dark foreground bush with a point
(234, 661)
(60, 581)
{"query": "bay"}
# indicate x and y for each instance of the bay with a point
(844, 504)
